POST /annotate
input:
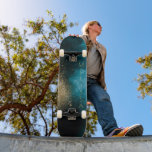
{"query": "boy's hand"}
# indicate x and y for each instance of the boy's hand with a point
(74, 35)
(89, 103)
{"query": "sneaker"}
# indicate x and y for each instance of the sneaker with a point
(135, 130)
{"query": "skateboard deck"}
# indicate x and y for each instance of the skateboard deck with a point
(72, 88)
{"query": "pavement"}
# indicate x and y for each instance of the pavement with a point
(20, 143)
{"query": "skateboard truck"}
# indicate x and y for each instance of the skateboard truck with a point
(73, 58)
(73, 54)
(71, 114)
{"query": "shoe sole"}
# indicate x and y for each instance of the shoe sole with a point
(136, 130)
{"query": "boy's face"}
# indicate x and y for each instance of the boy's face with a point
(96, 27)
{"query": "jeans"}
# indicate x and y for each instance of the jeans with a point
(101, 101)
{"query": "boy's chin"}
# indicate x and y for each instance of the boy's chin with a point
(99, 33)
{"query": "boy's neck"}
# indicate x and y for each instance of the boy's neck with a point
(93, 37)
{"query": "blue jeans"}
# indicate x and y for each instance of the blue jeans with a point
(101, 101)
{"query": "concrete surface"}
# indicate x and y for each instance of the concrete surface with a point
(19, 143)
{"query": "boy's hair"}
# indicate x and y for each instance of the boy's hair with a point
(85, 30)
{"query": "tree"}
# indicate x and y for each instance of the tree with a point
(145, 80)
(28, 76)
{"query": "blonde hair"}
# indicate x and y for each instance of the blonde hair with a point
(85, 30)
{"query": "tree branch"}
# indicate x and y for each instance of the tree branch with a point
(52, 128)
(33, 84)
(49, 45)
(36, 101)
(46, 126)
(24, 121)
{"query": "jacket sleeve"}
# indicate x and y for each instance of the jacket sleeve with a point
(104, 66)
(84, 37)
(104, 54)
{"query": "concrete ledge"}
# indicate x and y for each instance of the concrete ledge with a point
(19, 143)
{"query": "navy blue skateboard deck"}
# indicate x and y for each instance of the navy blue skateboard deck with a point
(72, 87)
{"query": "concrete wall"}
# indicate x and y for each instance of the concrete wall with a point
(18, 143)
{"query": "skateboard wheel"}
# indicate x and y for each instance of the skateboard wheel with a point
(59, 114)
(83, 114)
(61, 53)
(84, 53)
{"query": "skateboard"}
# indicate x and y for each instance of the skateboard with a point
(72, 87)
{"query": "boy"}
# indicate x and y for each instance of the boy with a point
(96, 86)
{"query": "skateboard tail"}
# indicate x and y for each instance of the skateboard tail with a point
(71, 128)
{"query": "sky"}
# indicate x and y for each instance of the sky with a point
(127, 35)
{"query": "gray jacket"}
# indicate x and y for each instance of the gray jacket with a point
(103, 53)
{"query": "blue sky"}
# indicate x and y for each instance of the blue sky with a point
(127, 35)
